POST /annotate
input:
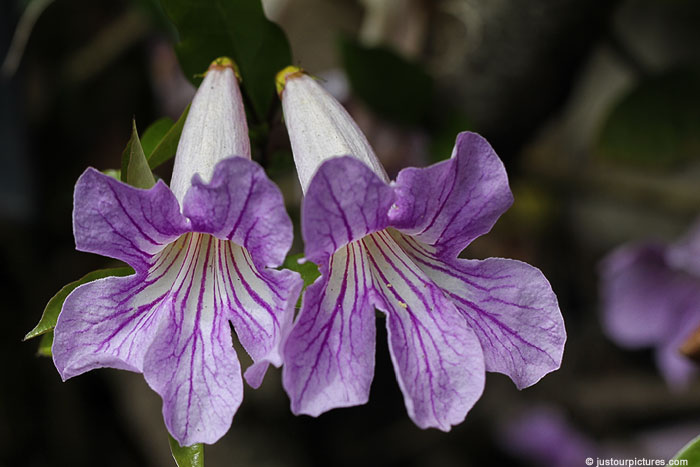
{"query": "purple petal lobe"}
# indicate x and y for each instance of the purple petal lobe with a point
(677, 369)
(113, 219)
(451, 203)
(685, 253)
(260, 304)
(438, 361)
(344, 202)
(329, 355)
(241, 204)
(510, 306)
(192, 363)
(111, 322)
(643, 299)
(648, 303)
(106, 323)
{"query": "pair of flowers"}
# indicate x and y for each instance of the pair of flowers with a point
(204, 253)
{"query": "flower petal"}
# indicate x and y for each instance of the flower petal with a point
(451, 203)
(319, 127)
(113, 219)
(111, 322)
(642, 297)
(510, 306)
(215, 128)
(685, 253)
(192, 363)
(344, 202)
(676, 368)
(261, 305)
(437, 358)
(329, 354)
(241, 204)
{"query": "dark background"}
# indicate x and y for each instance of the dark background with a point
(543, 80)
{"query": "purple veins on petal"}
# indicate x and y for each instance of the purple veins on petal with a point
(191, 362)
(241, 204)
(170, 320)
(437, 358)
(508, 304)
(440, 311)
(329, 355)
(451, 203)
(123, 222)
(111, 322)
(344, 202)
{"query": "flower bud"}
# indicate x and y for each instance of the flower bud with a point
(215, 128)
(319, 127)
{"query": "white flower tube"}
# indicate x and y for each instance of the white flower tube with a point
(215, 129)
(309, 112)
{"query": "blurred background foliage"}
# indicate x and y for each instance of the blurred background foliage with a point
(593, 106)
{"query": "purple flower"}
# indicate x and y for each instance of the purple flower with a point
(394, 246)
(202, 252)
(544, 435)
(651, 298)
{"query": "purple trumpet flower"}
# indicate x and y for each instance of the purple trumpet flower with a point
(202, 252)
(650, 296)
(393, 246)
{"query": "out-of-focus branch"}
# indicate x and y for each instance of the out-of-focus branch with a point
(122, 33)
(19, 40)
(399, 23)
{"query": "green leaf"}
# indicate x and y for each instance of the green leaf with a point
(114, 173)
(53, 308)
(389, 84)
(167, 146)
(135, 170)
(307, 269)
(238, 29)
(656, 124)
(691, 453)
(154, 134)
(45, 344)
(188, 456)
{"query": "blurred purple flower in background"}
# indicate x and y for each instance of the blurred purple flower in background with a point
(651, 298)
(201, 250)
(394, 246)
(544, 436)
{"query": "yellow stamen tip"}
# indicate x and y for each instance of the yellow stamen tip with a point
(282, 77)
(225, 62)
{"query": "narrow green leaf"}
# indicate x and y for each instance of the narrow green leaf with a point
(389, 84)
(45, 344)
(307, 269)
(188, 456)
(691, 453)
(135, 170)
(238, 29)
(167, 146)
(155, 132)
(53, 308)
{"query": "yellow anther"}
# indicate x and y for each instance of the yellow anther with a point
(225, 62)
(284, 75)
